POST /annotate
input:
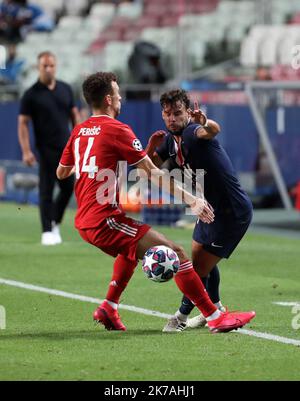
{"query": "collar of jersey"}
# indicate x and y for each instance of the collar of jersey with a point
(102, 115)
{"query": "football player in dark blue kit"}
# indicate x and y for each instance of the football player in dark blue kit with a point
(190, 144)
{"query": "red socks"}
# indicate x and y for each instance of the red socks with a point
(123, 271)
(191, 286)
(187, 281)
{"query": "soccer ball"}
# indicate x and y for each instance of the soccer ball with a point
(160, 263)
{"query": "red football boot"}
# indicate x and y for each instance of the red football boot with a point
(109, 317)
(230, 321)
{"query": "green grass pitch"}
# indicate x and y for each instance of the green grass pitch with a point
(53, 338)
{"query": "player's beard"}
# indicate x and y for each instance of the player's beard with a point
(176, 133)
(179, 131)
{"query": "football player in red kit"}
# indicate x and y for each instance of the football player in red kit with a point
(93, 152)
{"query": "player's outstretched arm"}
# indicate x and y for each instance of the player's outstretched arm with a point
(200, 207)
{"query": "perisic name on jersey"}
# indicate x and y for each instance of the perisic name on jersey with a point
(90, 131)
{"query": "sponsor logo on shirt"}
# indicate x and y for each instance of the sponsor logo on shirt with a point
(137, 145)
(90, 131)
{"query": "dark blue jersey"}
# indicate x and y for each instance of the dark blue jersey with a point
(221, 186)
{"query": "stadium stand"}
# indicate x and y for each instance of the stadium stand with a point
(269, 45)
(53, 7)
(13, 67)
(18, 17)
(191, 35)
(87, 38)
(241, 42)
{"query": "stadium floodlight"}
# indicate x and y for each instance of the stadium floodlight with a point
(261, 94)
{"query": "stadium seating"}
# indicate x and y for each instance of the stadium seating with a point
(103, 10)
(114, 56)
(191, 30)
(52, 7)
(130, 10)
(75, 7)
(269, 45)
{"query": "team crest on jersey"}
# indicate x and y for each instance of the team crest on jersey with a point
(137, 145)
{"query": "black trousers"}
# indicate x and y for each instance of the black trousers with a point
(52, 209)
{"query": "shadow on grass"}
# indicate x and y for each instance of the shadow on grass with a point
(93, 334)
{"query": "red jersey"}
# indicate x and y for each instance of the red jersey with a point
(95, 148)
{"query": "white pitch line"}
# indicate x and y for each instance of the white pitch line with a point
(271, 337)
(287, 303)
(30, 287)
(77, 297)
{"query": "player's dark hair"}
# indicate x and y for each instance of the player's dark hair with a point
(172, 97)
(97, 86)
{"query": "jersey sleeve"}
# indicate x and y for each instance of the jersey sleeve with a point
(67, 158)
(163, 150)
(26, 105)
(129, 146)
(193, 128)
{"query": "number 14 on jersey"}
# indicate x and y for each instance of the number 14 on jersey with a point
(91, 168)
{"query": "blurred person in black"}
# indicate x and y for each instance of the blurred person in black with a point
(49, 105)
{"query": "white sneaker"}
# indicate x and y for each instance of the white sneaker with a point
(174, 325)
(56, 233)
(48, 239)
(199, 320)
(196, 322)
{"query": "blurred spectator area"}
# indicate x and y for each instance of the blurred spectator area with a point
(12, 66)
(268, 45)
(190, 35)
(184, 39)
(18, 17)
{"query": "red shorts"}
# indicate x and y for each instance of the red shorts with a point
(116, 235)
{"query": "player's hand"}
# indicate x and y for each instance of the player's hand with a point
(29, 159)
(157, 139)
(197, 115)
(203, 210)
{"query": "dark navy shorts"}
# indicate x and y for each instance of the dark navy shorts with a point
(223, 235)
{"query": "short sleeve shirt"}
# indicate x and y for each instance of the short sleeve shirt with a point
(50, 112)
(221, 185)
(95, 148)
